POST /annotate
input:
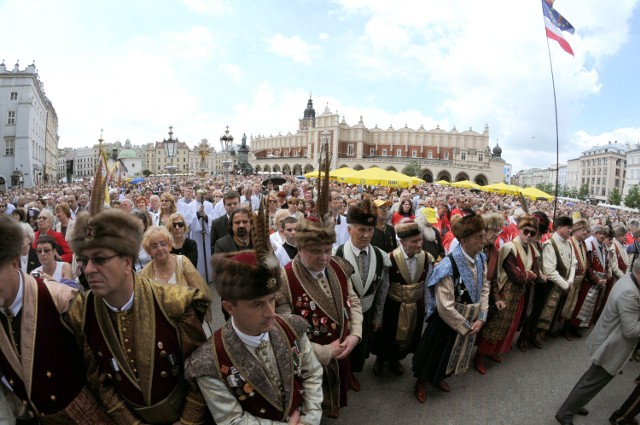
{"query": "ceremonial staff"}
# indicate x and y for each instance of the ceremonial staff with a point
(202, 216)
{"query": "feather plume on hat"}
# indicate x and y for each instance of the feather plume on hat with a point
(252, 274)
(319, 229)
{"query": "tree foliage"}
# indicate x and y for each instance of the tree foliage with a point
(146, 173)
(632, 200)
(615, 197)
(412, 169)
(583, 193)
(547, 188)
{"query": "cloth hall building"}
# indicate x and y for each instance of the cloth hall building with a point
(442, 155)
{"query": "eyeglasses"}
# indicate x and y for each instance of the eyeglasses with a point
(273, 202)
(178, 224)
(155, 246)
(44, 250)
(3, 206)
(97, 261)
(43, 218)
(528, 232)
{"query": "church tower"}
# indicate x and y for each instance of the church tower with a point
(309, 120)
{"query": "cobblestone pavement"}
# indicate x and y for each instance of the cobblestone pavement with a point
(525, 389)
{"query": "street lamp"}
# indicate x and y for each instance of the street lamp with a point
(170, 149)
(226, 142)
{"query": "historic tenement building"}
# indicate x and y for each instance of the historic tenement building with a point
(442, 155)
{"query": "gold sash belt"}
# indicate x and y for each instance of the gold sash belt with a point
(407, 296)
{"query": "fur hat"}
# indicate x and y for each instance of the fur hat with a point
(467, 226)
(527, 220)
(113, 228)
(563, 221)
(407, 229)
(365, 213)
(580, 224)
(619, 231)
(239, 276)
(543, 221)
(312, 231)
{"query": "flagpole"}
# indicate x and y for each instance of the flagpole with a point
(555, 109)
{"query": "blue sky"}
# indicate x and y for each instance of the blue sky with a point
(135, 67)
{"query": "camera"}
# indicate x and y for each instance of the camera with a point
(35, 274)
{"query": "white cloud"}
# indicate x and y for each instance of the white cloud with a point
(292, 47)
(491, 65)
(215, 7)
(235, 72)
(323, 36)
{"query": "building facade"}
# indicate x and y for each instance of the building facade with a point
(442, 155)
(603, 168)
(28, 129)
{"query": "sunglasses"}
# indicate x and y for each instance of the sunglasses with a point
(178, 224)
(97, 261)
(528, 232)
(3, 206)
(44, 250)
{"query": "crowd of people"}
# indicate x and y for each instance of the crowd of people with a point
(314, 278)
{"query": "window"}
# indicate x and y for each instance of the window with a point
(372, 151)
(480, 157)
(11, 117)
(463, 156)
(384, 151)
(10, 146)
(414, 153)
(14, 95)
(430, 155)
(446, 156)
(350, 150)
(295, 153)
(399, 152)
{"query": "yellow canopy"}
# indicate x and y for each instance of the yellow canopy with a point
(443, 183)
(502, 188)
(415, 181)
(334, 174)
(535, 193)
(375, 176)
(466, 184)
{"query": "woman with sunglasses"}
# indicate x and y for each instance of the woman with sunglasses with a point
(45, 227)
(517, 269)
(49, 267)
(181, 244)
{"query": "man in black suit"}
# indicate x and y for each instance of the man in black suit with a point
(220, 226)
(238, 238)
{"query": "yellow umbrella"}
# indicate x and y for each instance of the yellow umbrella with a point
(415, 181)
(466, 184)
(443, 183)
(335, 174)
(375, 176)
(341, 173)
(535, 193)
(502, 188)
(312, 174)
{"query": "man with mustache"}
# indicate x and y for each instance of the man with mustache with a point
(135, 334)
(238, 238)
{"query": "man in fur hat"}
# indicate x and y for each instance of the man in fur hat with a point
(135, 334)
(258, 366)
(404, 305)
(318, 287)
(458, 307)
(620, 248)
(583, 281)
(370, 279)
(51, 388)
(559, 265)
